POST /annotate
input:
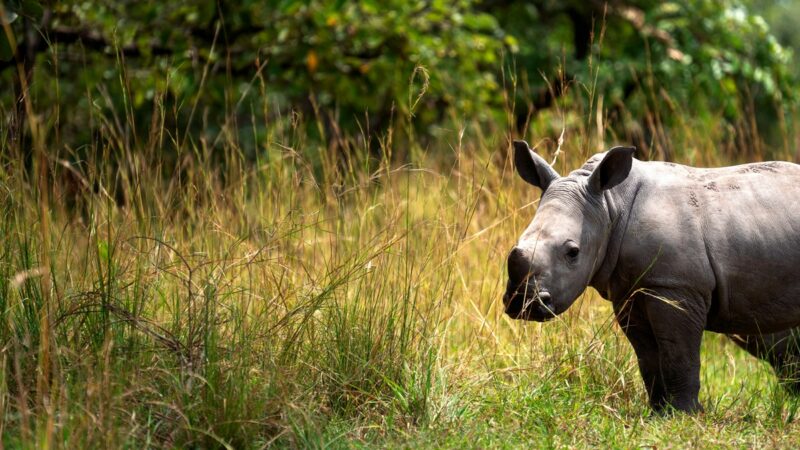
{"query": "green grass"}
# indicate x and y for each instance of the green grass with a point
(321, 297)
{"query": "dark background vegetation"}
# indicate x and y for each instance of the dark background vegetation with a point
(362, 69)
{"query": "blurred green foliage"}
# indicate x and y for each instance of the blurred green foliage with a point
(368, 66)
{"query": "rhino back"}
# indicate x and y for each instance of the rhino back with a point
(729, 236)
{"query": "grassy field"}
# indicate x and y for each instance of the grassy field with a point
(321, 296)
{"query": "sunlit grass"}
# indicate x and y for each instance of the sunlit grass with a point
(311, 299)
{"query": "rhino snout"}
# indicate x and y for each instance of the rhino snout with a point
(525, 303)
(524, 297)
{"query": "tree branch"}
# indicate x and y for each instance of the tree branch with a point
(96, 41)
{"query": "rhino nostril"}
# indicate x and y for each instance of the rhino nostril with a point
(546, 300)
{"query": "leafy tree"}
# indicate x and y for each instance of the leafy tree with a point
(362, 66)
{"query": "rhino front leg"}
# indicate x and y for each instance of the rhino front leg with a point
(632, 318)
(677, 322)
(781, 350)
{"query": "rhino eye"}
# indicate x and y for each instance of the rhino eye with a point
(572, 253)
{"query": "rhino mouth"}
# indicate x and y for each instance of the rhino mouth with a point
(524, 303)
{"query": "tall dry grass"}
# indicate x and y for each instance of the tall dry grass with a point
(320, 295)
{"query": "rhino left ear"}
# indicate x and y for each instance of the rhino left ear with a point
(613, 169)
(531, 167)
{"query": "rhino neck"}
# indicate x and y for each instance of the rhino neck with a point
(619, 202)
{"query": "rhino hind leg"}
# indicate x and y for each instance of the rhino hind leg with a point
(781, 350)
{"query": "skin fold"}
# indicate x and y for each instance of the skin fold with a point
(677, 250)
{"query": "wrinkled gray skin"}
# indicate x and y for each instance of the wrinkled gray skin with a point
(722, 246)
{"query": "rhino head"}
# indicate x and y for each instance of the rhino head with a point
(561, 250)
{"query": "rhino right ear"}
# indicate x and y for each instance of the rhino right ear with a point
(531, 167)
(613, 169)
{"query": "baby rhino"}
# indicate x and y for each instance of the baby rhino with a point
(676, 249)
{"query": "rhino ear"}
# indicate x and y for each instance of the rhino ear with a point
(531, 167)
(613, 169)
